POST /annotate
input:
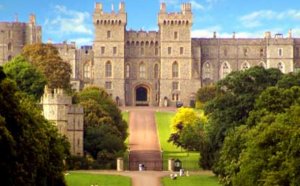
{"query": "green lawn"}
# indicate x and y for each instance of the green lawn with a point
(81, 179)
(189, 159)
(194, 180)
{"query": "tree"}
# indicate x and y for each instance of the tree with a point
(188, 129)
(205, 94)
(32, 151)
(46, 58)
(231, 108)
(28, 78)
(105, 130)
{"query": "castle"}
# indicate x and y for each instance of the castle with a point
(159, 68)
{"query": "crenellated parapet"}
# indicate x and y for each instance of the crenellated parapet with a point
(56, 96)
(110, 18)
(184, 17)
(142, 38)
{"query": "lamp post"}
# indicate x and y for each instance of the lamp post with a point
(2, 31)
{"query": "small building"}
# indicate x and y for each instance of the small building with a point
(58, 108)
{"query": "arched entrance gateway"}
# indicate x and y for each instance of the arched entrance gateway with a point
(142, 95)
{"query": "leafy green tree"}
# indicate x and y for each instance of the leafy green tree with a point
(28, 78)
(205, 94)
(32, 151)
(46, 58)
(289, 80)
(231, 108)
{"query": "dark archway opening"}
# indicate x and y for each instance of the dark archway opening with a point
(141, 96)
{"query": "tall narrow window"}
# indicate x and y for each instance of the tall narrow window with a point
(9, 47)
(156, 71)
(114, 50)
(261, 53)
(108, 34)
(108, 85)
(225, 70)
(206, 71)
(102, 50)
(175, 35)
(280, 52)
(175, 70)
(181, 50)
(127, 71)
(142, 70)
(175, 86)
(156, 51)
(245, 50)
(169, 50)
(108, 69)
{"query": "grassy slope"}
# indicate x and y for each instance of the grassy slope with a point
(189, 160)
(194, 180)
(79, 179)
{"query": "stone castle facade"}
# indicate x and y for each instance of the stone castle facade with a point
(159, 68)
(68, 118)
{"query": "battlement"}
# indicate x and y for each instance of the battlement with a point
(56, 96)
(142, 38)
(110, 18)
(75, 109)
(184, 17)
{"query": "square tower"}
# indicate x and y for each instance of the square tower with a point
(109, 50)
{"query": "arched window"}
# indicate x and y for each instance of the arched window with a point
(175, 70)
(281, 67)
(108, 68)
(86, 72)
(9, 46)
(245, 66)
(142, 70)
(156, 71)
(225, 70)
(262, 64)
(206, 71)
(127, 70)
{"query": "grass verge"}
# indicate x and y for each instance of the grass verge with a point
(79, 179)
(194, 180)
(189, 159)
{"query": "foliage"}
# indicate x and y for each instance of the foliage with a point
(32, 151)
(105, 130)
(188, 129)
(231, 108)
(46, 58)
(28, 78)
(205, 94)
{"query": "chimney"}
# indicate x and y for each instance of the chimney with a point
(163, 8)
(233, 35)
(32, 19)
(98, 7)
(215, 35)
(290, 34)
(268, 35)
(122, 7)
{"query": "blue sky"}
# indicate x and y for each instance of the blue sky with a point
(71, 20)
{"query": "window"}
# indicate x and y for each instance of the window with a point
(156, 71)
(245, 52)
(225, 51)
(108, 34)
(9, 47)
(127, 74)
(108, 69)
(142, 70)
(108, 85)
(142, 51)
(156, 51)
(175, 70)
(169, 50)
(102, 50)
(175, 35)
(175, 97)
(280, 52)
(181, 50)
(206, 71)
(262, 64)
(261, 53)
(297, 52)
(86, 71)
(245, 66)
(175, 86)
(225, 70)
(78, 142)
(280, 66)
(114, 50)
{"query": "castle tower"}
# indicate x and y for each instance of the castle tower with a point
(68, 118)
(176, 57)
(109, 50)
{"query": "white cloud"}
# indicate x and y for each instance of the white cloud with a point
(196, 5)
(256, 19)
(68, 22)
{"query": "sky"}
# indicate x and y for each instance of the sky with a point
(71, 20)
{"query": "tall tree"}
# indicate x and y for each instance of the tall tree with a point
(46, 58)
(32, 151)
(28, 78)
